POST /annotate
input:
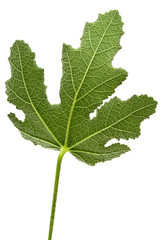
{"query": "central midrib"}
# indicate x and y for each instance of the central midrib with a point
(76, 94)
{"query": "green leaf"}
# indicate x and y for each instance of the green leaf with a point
(88, 79)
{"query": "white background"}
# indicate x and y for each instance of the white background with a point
(117, 200)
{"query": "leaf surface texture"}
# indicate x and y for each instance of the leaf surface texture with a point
(88, 79)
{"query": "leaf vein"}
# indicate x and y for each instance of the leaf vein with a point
(31, 99)
(103, 129)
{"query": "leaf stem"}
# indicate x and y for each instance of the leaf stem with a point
(59, 161)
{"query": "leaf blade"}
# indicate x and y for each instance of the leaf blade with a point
(88, 78)
(116, 105)
(110, 20)
(23, 57)
(107, 154)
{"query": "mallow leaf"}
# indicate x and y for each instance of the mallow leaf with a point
(88, 79)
